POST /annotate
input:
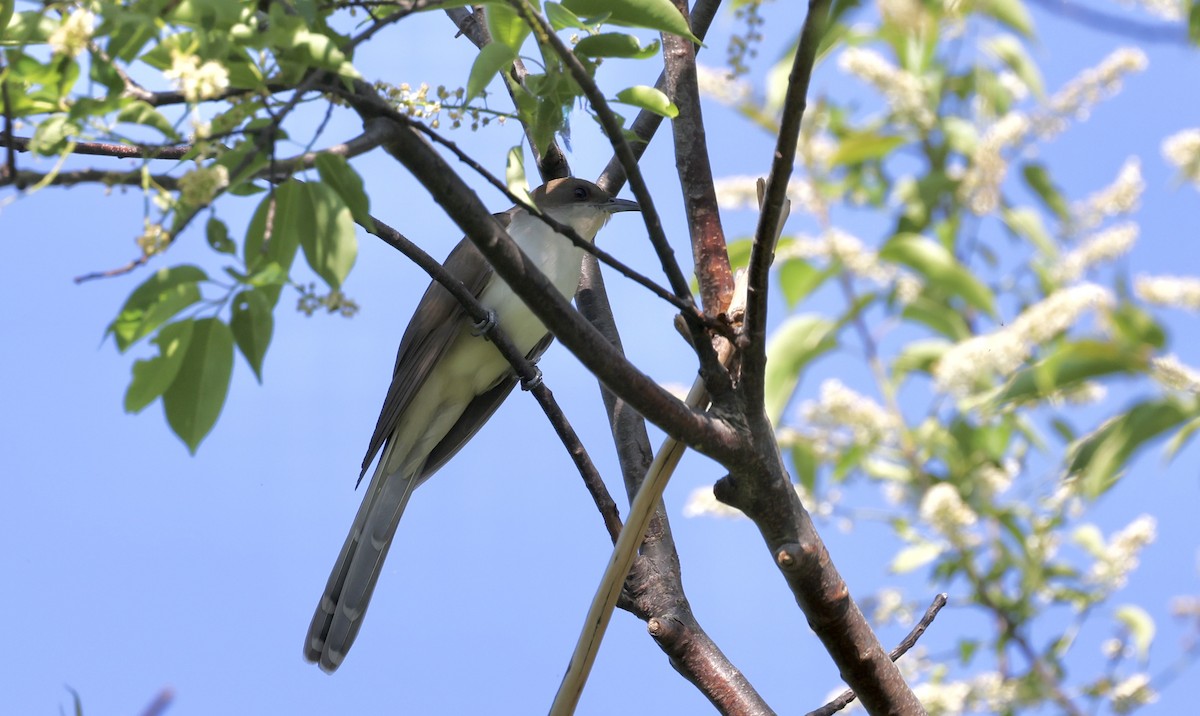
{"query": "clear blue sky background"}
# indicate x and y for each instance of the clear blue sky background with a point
(129, 566)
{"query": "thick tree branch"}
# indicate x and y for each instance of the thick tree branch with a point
(762, 253)
(111, 149)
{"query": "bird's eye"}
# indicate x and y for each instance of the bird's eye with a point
(581, 193)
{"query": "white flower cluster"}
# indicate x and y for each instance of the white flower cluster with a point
(741, 192)
(1169, 371)
(890, 606)
(1166, 9)
(902, 90)
(1182, 149)
(197, 80)
(987, 692)
(996, 479)
(154, 239)
(1171, 291)
(702, 502)
(1120, 197)
(1003, 351)
(841, 413)
(1076, 99)
(908, 15)
(722, 86)
(1100, 247)
(837, 245)
(1119, 557)
(1133, 693)
(199, 186)
(72, 36)
(943, 509)
(980, 186)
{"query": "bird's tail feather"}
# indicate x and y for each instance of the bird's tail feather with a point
(340, 611)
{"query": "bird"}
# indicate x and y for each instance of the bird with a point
(448, 380)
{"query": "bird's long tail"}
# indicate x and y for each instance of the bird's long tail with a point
(340, 611)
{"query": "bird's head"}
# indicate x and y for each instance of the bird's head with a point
(579, 204)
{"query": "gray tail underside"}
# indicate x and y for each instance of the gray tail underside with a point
(340, 612)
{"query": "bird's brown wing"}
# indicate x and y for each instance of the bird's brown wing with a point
(438, 319)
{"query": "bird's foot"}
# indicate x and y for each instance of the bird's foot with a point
(532, 381)
(485, 326)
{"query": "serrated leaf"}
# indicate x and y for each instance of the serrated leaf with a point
(506, 26)
(157, 299)
(792, 346)
(653, 14)
(561, 18)
(615, 44)
(337, 174)
(1067, 366)
(153, 376)
(916, 556)
(649, 99)
(1038, 179)
(139, 112)
(332, 245)
(1101, 456)
(1140, 625)
(217, 236)
(798, 278)
(940, 269)
(493, 58)
(252, 325)
(194, 401)
(864, 146)
(1012, 13)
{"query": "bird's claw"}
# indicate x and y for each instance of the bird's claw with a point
(484, 326)
(532, 381)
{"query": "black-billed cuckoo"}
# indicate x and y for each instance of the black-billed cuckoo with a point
(447, 382)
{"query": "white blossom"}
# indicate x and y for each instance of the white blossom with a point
(154, 239)
(1118, 557)
(1120, 197)
(197, 80)
(1174, 374)
(1098, 248)
(1076, 99)
(1013, 84)
(1182, 150)
(1172, 10)
(199, 186)
(902, 90)
(840, 411)
(1003, 351)
(943, 509)
(1173, 291)
(722, 86)
(849, 250)
(702, 501)
(908, 15)
(741, 192)
(980, 186)
(72, 36)
(1133, 693)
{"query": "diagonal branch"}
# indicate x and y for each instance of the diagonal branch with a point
(762, 253)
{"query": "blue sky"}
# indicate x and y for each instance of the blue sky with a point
(131, 566)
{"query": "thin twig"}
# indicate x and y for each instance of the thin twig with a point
(1164, 32)
(110, 149)
(846, 697)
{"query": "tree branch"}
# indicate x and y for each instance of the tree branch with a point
(1164, 32)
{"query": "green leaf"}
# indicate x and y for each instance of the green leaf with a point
(1194, 23)
(152, 377)
(1011, 52)
(919, 356)
(561, 18)
(939, 317)
(506, 26)
(493, 58)
(615, 44)
(252, 325)
(139, 112)
(650, 99)
(859, 147)
(217, 236)
(798, 278)
(651, 14)
(7, 7)
(28, 28)
(1105, 453)
(805, 461)
(1039, 181)
(916, 556)
(939, 267)
(790, 349)
(337, 174)
(1140, 625)
(275, 228)
(1069, 365)
(1012, 13)
(1026, 223)
(194, 401)
(1181, 438)
(51, 135)
(514, 173)
(961, 135)
(331, 245)
(157, 299)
